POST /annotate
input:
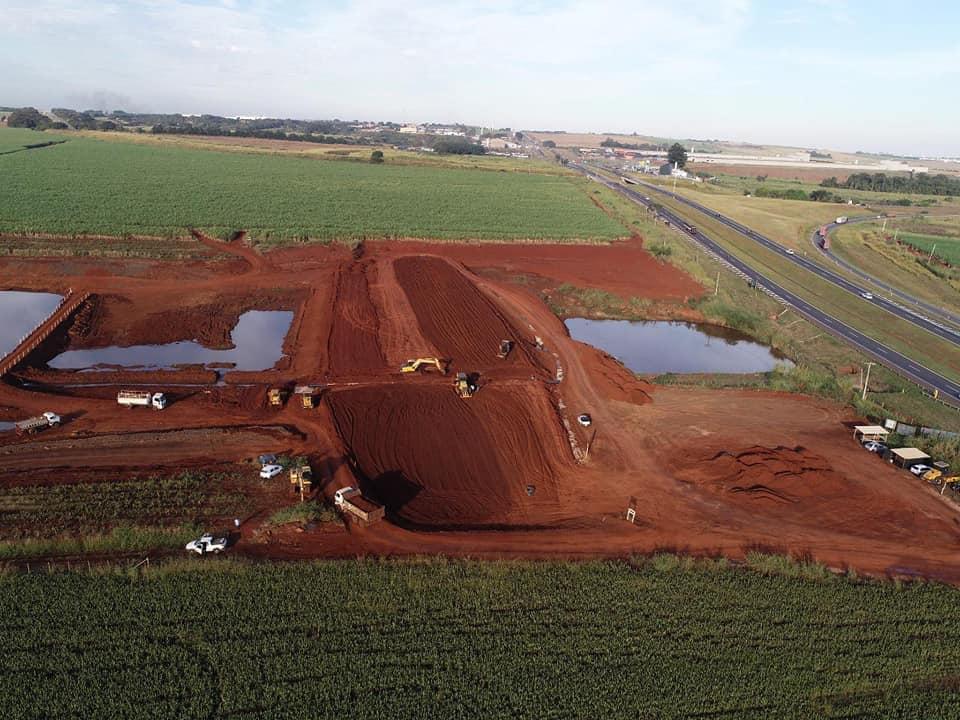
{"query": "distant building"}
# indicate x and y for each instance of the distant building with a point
(409, 129)
(670, 169)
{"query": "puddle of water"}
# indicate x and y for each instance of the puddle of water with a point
(662, 347)
(4, 426)
(257, 338)
(22, 312)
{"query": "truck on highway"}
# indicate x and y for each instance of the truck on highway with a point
(841, 220)
(351, 500)
(823, 237)
(142, 398)
(38, 423)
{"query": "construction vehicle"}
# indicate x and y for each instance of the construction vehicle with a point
(275, 396)
(308, 396)
(417, 364)
(505, 347)
(947, 481)
(301, 474)
(207, 544)
(141, 398)
(351, 500)
(35, 424)
(464, 386)
(933, 475)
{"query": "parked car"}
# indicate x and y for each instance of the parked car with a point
(270, 471)
(207, 544)
(875, 447)
(920, 469)
(584, 419)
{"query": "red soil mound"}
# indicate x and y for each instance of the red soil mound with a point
(779, 474)
(611, 378)
(455, 316)
(436, 460)
(354, 344)
(623, 268)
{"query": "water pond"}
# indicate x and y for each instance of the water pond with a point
(21, 313)
(257, 339)
(676, 347)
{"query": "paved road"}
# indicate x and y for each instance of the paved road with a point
(894, 307)
(948, 390)
(942, 314)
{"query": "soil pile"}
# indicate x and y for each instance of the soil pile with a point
(455, 316)
(354, 344)
(779, 474)
(436, 460)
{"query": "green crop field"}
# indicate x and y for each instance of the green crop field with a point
(14, 139)
(946, 247)
(90, 186)
(665, 638)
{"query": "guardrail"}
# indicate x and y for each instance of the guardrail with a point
(70, 302)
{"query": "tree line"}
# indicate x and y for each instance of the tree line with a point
(919, 183)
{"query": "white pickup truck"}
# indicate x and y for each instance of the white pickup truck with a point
(207, 544)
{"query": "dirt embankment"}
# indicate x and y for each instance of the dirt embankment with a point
(436, 460)
(463, 324)
(354, 343)
(623, 268)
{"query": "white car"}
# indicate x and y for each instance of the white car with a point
(207, 544)
(584, 419)
(791, 251)
(866, 295)
(919, 470)
(270, 471)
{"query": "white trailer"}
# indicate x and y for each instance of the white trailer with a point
(40, 422)
(141, 398)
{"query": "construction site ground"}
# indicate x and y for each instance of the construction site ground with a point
(506, 473)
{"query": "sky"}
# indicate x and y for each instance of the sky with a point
(849, 75)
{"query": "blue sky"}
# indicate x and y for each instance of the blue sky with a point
(852, 75)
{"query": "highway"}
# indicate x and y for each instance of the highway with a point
(948, 390)
(942, 313)
(894, 307)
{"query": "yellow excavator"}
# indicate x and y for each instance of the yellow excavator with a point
(275, 396)
(411, 366)
(464, 386)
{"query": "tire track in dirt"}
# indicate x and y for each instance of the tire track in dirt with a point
(354, 344)
(453, 314)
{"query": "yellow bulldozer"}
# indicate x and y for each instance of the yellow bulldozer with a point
(464, 386)
(417, 364)
(275, 396)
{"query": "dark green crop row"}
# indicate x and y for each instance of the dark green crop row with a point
(362, 639)
(90, 186)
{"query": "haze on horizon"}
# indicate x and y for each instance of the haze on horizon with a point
(843, 75)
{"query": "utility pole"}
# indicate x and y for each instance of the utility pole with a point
(867, 380)
(931, 252)
(717, 289)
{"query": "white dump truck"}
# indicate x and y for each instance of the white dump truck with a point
(35, 424)
(351, 500)
(141, 398)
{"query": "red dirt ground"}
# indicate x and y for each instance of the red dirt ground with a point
(708, 471)
(436, 460)
(622, 268)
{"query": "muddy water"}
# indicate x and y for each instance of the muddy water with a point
(22, 312)
(257, 339)
(661, 347)
(4, 426)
